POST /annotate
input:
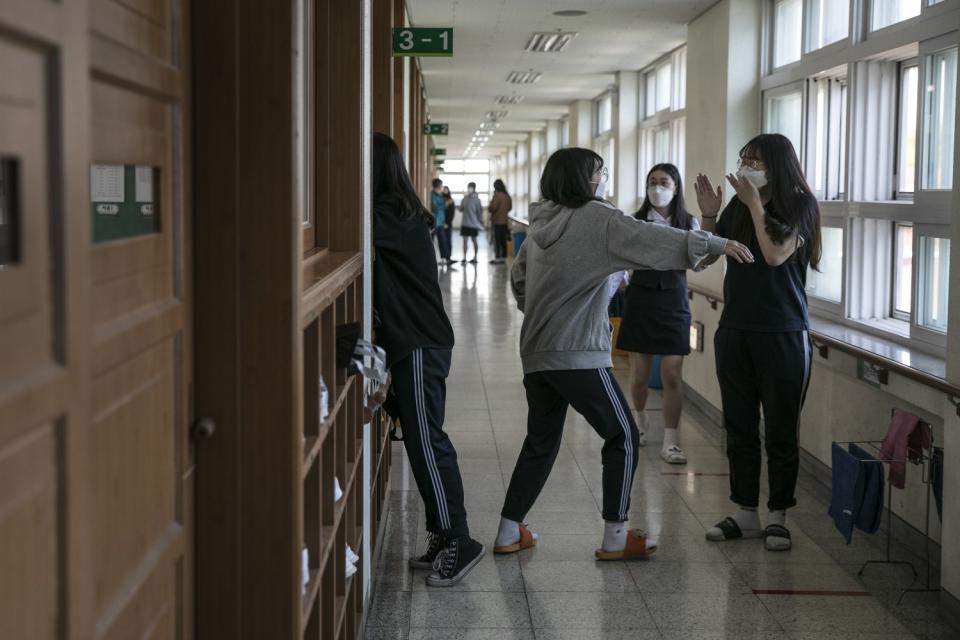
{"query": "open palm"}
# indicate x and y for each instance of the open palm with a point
(709, 200)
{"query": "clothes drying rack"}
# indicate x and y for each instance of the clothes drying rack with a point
(927, 479)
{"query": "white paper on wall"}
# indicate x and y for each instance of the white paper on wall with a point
(144, 184)
(106, 183)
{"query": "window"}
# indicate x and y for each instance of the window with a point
(826, 143)
(661, 145)
(907, 129)
(603, 110)
(940, 101)
(651, 97)
(827, 284)
(664, 85)
(884, 13)
(784, 114)
(828, 21)
(903, 272)
(787, 31)
(458, 172)
(564, 133)
(662, 127)
(934, 283)
(664, 82)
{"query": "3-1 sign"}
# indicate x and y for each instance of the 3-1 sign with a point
(423, 41)
(436, 129)
(438, 152)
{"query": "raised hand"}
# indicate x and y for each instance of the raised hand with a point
(709, 200)
(746, 191)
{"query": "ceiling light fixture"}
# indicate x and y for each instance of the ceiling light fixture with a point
(550, 41)
(511, 99)
(524, 77)
(570, 13)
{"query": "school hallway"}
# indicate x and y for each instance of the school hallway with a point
(691, 588)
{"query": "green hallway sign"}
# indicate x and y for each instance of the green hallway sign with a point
(423, 41)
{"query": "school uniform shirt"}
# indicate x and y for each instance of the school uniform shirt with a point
(438, 207)
(406, 294)
(757, 296)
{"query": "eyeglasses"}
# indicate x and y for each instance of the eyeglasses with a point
(604, 176)
(751, 163)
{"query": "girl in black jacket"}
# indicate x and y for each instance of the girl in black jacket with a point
(414, 330)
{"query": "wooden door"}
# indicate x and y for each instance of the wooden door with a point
(141, 354)
(95, 349)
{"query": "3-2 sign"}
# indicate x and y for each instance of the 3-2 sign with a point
(423, 41)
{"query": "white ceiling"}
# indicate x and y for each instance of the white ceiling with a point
(488, 43)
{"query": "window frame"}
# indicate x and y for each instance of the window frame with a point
(918, 331)
(672, 119)
(894, 312)
(903, 66)
(937, 204)
(822, 306)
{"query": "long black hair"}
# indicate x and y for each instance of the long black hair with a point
(567, 175)
(499, 186)
(678, 207)
(391, 182)
(795, 207)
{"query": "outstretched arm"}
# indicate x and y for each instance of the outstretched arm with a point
(518, 277)
(774, 253)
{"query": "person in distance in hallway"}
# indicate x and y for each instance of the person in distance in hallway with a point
(560, 282)
(438, 207)
(450, 213)
(500, 206)
(763, 346)
(413, 328)
(472, 222)
(656, 318)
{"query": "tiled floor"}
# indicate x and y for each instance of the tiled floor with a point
(690, 589)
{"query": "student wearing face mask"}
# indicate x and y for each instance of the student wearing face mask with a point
(472, 220)
(656, 319)
(559, 280)
(763, 344)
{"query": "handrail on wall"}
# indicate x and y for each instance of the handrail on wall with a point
(824, 343)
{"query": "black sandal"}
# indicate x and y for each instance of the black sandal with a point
(728, 529)
(776, 537)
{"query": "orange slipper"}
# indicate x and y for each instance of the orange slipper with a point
(526, 541)
(637, 548)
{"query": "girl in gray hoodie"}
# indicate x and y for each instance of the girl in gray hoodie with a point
(576, 241)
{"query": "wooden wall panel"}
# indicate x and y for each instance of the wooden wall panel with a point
(382, 67)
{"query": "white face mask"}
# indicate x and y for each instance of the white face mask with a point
(601, 191)
(758, 178)
(660, 196)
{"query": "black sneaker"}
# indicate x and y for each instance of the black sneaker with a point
(453, 563)
(434, 547)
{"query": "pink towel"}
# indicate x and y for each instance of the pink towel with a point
(906, 439)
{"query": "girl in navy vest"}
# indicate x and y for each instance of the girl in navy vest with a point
(763, 344)
(657, 316)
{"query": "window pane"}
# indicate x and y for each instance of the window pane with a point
(827, 284)
(903, 270)
(664, 73)
(680, 79)
(604, 114)
(934, 276)
(611, 154)
(453, 166)
(788, 30)
(939, 107)
(827, 22)
(820, 137)
(785, 115)
(661, 145)
(651, 93)
(887, 12)
(907, 160)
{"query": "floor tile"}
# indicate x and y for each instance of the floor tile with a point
(831, 613)
(453, 633)
(658, 576)
(577, 575)
(441, 608)
(729, 612)
(598, 612)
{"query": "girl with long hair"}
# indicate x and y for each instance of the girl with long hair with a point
(413, 328)
(763, 344)
(500, 206)
(656, 319)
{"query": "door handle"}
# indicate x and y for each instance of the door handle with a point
(203, 429)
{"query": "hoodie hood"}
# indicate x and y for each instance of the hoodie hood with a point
(548, 222)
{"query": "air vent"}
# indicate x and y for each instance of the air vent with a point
(523, 77)
(550, 41)
(512, 99)
(495, 116)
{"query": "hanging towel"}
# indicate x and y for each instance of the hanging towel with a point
(936, 478)
(870, 512)
(906, 439)
(847, 490)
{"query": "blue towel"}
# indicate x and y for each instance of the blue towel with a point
(847, 491)
(870, 512)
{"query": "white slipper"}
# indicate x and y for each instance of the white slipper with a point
(673, 455)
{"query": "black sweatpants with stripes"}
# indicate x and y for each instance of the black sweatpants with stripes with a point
(595, 395)
(420, 386)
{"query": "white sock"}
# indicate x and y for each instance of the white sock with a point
(671, 438)
(642, 420)
(747, 518)
(508, 533)
(777, 517)
(614, 536)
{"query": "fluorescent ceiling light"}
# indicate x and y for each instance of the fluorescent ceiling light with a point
(524, 77)
(550, 41)
(511, 99)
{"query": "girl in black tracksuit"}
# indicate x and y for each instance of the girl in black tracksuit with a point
(413, 328)
(763, 343)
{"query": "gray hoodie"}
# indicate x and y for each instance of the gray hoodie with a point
(559, 279)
